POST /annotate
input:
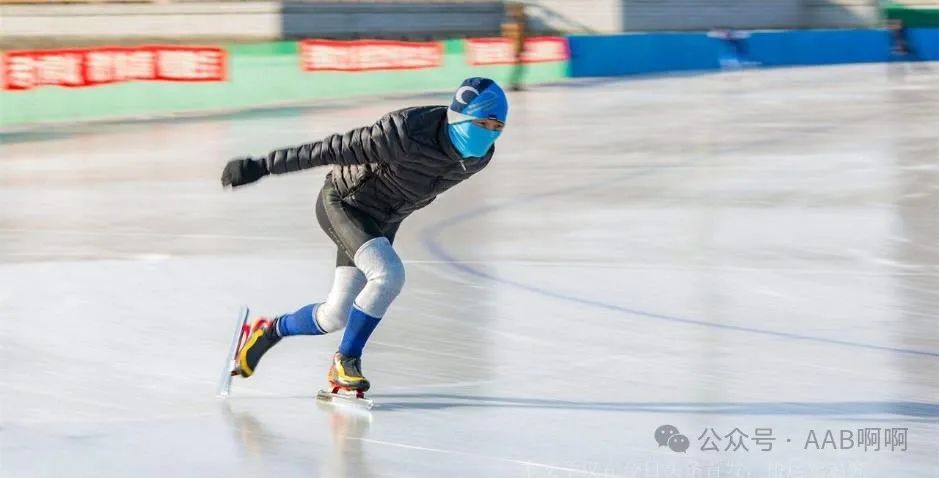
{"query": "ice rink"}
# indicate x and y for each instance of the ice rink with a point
(745, 256)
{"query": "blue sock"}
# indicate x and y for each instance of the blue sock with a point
(301, 322)
(358, 330)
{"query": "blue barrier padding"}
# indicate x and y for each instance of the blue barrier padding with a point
(819, 47)
(615, 55)
(631, 54)
(925, 43)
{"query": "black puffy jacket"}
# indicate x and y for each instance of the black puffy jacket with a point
(389, 169)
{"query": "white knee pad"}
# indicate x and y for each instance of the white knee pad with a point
(384, 273)
(333, 314)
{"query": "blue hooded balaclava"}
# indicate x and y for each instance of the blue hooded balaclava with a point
(477, 98)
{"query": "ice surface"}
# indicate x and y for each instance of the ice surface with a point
(753, 250)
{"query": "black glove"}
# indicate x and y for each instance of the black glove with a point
(241, 171)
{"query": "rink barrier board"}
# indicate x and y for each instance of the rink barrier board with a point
(926, 42)
(633, 54)
(259, 75)
(267, 74)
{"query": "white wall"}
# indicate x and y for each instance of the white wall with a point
(259, 20)
(578, 16)
(263, 19)
(640, 15)
(608, 16)
(250, 20)
(403, 18)
(919, 3)
(842, 13)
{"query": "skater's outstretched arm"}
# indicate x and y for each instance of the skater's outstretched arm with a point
(378, 143)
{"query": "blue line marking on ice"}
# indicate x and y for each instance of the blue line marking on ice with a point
(430, 233)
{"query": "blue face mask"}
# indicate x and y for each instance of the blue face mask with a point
(470, 140)
(476, 99)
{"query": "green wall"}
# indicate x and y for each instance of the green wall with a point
(914, 17)
(259, 75)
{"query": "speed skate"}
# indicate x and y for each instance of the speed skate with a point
(337, 395)
(343, 394)
(230, 369)
(334, 393)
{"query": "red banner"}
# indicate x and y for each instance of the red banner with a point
(23, 70)
(499, 51)
(365, 55)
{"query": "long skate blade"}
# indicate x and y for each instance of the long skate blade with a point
(340, 398)
(224, 383)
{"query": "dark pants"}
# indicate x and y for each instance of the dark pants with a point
(348, 227)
